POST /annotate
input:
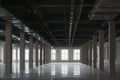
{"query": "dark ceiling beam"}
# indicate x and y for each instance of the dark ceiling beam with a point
(45, 5)
(80, 26)
(79, 35)
(53, 5)
(61, 21)
(58, 30)
(81, 38)
(47, 31)
(65, 19)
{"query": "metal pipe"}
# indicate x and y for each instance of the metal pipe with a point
(77, 22)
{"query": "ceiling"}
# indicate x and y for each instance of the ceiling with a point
(62, 23)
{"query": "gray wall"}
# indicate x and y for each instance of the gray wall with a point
(70, 52)
(107, 54)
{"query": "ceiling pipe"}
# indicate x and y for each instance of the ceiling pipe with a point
(65, 19)
(76, 24)
(72, 8)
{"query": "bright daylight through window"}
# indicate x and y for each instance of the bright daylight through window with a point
(64, 54)
(76, 54)
(53, 54)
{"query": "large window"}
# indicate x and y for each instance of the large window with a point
(15, 54)
(53, 54)
(76, 54)
(64, 54)
(26, 54)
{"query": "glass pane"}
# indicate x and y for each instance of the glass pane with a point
(64, 54)
(26, 54)
(14, 54)
(76, 54)
(53, 54)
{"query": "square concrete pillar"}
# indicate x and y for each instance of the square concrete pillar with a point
(8, 49)
(58, 51)
(22, 50)
(81, 54)
(90, 53)
(70, 55)
(36, 52)
(94, 51)
(44, 54)
(41, 53)
(101, 50)
(48, 54)
(30, 51)
(86, 53)
(112, 46)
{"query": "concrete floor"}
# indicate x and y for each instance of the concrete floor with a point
(57, 71)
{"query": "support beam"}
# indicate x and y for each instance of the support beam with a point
(41, 53)
(22, 50)
(94, 51)
(36, 52)
(101, 50)
(8, 49)
(112, 45)
(31, 51)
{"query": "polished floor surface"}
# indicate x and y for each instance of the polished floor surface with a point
(57, 71)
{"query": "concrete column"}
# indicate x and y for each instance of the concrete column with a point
(81, 54)
(58, 55)
(48, 54)
(90, 53)
(30, 51)
(112, 48)
(86, 50)
(36, 52)
(22, 50)
(101, 50)
(44, 53)
(70, 55)
(94, 51)
(86, 53)
(41, 53)
(83, 58)
(8, 49)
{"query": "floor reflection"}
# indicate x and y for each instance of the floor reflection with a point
(56, 70)
(27, 70)
(53, 70)
(16, 67)
(1, 69)
(64, 69)
(76, 69)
